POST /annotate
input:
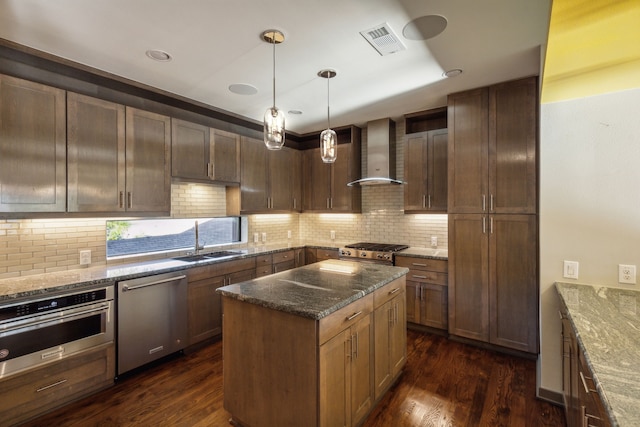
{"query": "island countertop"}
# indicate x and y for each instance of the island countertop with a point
(315, 290)
(607, 325)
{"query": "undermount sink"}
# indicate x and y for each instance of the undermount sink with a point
(212, 255)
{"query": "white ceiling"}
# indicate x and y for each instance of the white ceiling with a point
(216, 43)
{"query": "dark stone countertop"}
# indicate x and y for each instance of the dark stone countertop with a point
(414, 252)
(315, 290)
(607, 324)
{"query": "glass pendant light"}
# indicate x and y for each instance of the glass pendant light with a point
(273, 118)
(328, 138)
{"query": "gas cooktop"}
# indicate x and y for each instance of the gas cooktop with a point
(379, 252)
(377, 247)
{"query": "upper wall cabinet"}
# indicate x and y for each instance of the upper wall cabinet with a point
(267, 183)
(200, 153)
(425, 172)
(32, 147)
(96, 155)
(492, 149)
(148, 179)
(325, 184)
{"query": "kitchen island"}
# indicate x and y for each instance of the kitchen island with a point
(313, 346)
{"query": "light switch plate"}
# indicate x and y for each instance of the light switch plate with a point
(85, 257)
(570, 270)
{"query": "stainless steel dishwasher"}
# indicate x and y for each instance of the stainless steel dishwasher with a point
(152, 319)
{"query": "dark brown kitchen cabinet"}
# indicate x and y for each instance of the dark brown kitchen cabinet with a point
(493, 149)
(427, 282)
(33, 392)
(582, 401)
(201, 153)
(204, 303)
(148, 176)
(325, 184)
(32, 147)
(266, 184)
(96, 155)
(425, 172)
(493, 286)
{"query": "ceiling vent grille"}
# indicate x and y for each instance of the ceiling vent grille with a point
(383, 39)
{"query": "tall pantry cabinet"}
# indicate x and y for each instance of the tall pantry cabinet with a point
(493, 222)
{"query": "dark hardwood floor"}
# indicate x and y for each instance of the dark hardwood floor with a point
(444, 384)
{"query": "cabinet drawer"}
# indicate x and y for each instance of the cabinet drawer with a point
(263, 260)
(331, 325)
(428, 264)
(388, 292)
(322, 254)
(286, 265)
(283, 256)
(264, 270)
(427, 277)
(26, 395)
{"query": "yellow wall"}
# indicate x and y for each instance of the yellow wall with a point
(593, 48)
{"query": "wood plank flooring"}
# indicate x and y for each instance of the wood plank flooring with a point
(444, 384)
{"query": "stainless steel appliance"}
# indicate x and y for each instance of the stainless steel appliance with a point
(372, 252)
(37, 330)
(152, 319)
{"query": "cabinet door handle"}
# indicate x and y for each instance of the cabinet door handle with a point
(327, 203)
(491, 203)
(424, 201)
(394, 291)
(354, 315)
(357, 345)
(294, 203)
(429, 205)
(129, 199)
(121, 200)
(584, 384)
(484, 225)
(417, 264)
(47, 387)
(484, 203)
(491, 225)
(418, 277)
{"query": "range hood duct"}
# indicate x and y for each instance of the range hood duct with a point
(381, 154)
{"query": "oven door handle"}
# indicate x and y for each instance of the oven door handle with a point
(57, 319)
(126, 288)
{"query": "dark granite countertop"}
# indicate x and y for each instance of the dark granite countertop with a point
(607, 324)
(315, 290)
(18, 288)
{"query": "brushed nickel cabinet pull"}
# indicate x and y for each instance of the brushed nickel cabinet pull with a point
(121, 200)
(354, 315)
(491, 224)
(394, 291)
(47, 387)
(129, 199)
(484, 225)
(417, 264)
(484, 203)
(491, 203)
(327, 203)
(294, 203)
(424, 201)
(429, 206)
(419, 277)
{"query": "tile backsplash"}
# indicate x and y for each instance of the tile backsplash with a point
(32, 246)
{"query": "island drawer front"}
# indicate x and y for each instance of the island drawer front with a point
(342, 319)
(389, 291)
(262, 260)
(279, 257)
(422, 263)
(428, 277)
(322, 254)
(263, 270)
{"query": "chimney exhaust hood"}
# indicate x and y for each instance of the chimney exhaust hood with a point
(381, 154)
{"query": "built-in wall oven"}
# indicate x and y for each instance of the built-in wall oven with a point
(380, 253)
(37, 330)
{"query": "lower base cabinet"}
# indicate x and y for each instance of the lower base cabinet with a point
(325, 373)
(204, 304)
(31, 393)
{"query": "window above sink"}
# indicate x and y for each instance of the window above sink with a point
(148, 236)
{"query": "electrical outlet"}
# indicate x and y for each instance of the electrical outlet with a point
(570, 270)
(288, 234)
(627, 274)
(85, 257)
(332, 234)
(256, 237)
(434, 241)
(264, 237)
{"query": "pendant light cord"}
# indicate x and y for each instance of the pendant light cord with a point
(328, 115)
(274, 70)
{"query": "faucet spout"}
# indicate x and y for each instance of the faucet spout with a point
(197, 245)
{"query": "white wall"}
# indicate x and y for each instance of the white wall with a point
(589, 203)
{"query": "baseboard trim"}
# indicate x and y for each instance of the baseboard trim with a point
(550, 396)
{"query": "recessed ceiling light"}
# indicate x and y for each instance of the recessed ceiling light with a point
(452, 73)
(425, 27)
(243, 89)
(158, 55)
(298, 112)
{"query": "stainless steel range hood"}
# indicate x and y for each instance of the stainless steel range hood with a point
(381, 154)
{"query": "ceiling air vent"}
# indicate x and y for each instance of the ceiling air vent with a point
(383, 39)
